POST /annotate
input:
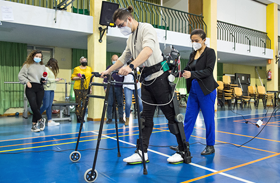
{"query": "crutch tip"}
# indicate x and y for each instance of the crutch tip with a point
(145, 172)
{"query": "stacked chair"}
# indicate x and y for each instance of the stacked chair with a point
(239, 96)
(225, 89)
(223, 95)
(252, 91)
(264, 96)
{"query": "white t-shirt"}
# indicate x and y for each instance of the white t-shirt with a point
(129, 78)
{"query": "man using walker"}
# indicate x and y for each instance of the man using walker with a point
(144, 49)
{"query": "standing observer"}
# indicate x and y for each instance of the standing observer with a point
(201, 87)
(128, 91)
(144, 51)
(81, 76)
(118, 94)
(52, 70)
(31, 74)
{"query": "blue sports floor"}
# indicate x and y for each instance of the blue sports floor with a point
(43, 157)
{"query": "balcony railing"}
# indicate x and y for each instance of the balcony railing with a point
(163, 17)
(77, 6)
(243, 35)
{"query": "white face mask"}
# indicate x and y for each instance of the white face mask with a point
(196, 46)
(126, 30)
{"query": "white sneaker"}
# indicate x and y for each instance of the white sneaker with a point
(175, 158)
(136, 158)
(52, 123)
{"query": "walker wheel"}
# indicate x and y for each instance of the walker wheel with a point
(75, 156)
(90, 177)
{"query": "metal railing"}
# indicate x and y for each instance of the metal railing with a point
(164, 17)
(243, 35)
(77, 6)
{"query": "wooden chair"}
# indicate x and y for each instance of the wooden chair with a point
(246, 99)
(224, 94)
(226, 81)
(228, 89)
(237, 94)
(264, 96)
(252, 92)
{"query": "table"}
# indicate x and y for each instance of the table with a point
(62, 104)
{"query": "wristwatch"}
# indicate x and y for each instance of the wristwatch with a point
(131, 66)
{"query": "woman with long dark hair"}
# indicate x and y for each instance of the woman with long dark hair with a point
(52, 70)
(30, 75)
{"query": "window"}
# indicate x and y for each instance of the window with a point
(47, 52)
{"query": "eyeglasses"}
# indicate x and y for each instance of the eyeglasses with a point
(121, 25)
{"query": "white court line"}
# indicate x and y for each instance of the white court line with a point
(193, 164)
(242, 115)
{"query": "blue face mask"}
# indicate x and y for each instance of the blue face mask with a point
(37, 60)
(114, 62)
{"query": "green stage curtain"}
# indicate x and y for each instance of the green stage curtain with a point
(76, 55)
(109, 56)
(220, 71)
(12, 56)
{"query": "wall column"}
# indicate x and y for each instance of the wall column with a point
(272, 32)
(96, 60)
(210, 18)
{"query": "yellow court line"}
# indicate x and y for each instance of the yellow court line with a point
(56, 140)
(71, 133)
(241, 135)
(238, 135)
(45, 136)
(238, 145)
(231, 168)
(234, 144)
(19, 149)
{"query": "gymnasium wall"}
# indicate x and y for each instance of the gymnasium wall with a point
(246, 13)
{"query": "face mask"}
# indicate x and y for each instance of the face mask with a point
(114, 62)
(37, 60)
(84, 63)
(126, 30)
(196, 46)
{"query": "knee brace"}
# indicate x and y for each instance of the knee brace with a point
(173, 128)
(142, 120)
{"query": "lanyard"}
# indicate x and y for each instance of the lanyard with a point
(135, 39)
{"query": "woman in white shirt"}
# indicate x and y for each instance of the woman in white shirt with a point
(52, 70)
(128, 91)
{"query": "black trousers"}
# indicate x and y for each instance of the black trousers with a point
(35, 97)
(157, 93)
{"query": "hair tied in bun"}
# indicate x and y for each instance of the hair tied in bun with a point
(130, 9)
